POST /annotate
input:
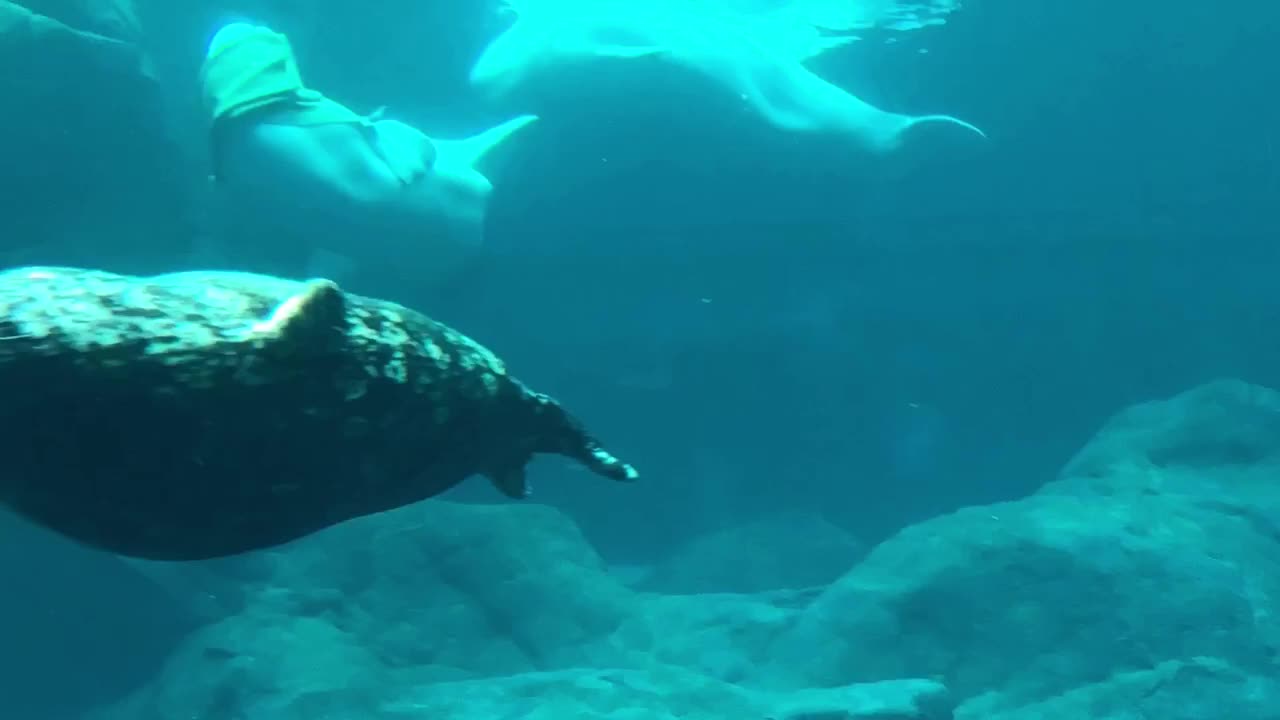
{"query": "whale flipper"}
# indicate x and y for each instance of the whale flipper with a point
(458, 158)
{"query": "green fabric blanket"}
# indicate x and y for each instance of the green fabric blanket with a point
(253, 68)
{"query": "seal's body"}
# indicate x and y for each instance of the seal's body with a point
(198, 415)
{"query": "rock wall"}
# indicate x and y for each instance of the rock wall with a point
(1145, 579)
(91, 169)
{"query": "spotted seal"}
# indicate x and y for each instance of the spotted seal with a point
(205, 414)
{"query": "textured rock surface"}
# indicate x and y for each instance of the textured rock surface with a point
(1192, 689)
(1126, 561)
(89, 158)
(789, 550)
(107, 19)
(453, 610)
(467, 589)
(48, 624)
(662, 693)
(198, 415)
(1142, 583)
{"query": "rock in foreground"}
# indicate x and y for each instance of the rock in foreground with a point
(665, 693)
(89, 151)
(787, 550)
(1144, 582)
(1158, 542)
(205, 414)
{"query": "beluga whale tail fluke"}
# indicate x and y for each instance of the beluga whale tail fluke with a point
(946, 120)
(905, 125)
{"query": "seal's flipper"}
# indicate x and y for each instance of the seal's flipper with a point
(560, 433)
(603, 462)
(513, 483)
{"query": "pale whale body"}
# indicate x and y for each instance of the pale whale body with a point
(328, 186)
(349, 191)
(761, 60)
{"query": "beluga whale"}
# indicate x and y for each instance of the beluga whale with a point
(341, 192)
(759, 58)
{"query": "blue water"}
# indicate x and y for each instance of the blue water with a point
(760, 322)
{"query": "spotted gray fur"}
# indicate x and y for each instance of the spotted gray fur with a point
(204, 414)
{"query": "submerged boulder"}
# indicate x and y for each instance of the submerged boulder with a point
(455, 610)
(204, 414)
(785, 550)
(1133, 584)
(64, 609)
(1191, 689)
(1158, 542)
(89, 149)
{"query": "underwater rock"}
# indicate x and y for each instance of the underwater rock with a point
(345, 681)
(1191, 689)
(1211, 432)
(656, 693)
(50, 623)
(887, 700)
(375, 608)
(468, 589)
(450, 610)
(89, 152)
(786, 550)
(204, 414)
(663, 693)
(1109, 590)
(116, 19)
(1124, 567)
